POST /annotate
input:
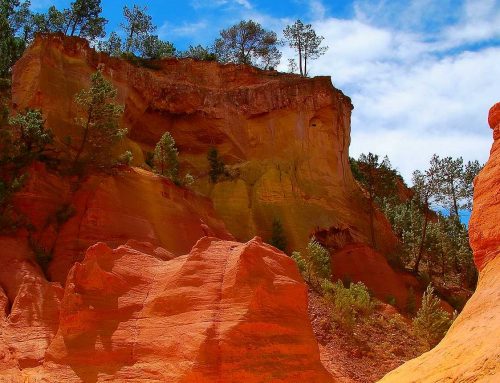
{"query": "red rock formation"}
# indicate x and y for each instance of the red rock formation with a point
(484, 228)
(132, 204)
(226, 312)
(285, 137)
(358, 262)
(470, 350)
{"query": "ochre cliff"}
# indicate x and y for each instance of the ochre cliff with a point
(132, 204)
(285, 137)
(470, 350)
(226, 312)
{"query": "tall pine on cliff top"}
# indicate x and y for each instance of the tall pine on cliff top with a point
(307, 44)
(248, 43)
(98, 117)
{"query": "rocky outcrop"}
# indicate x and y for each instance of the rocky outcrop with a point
(68, 216)
(470, 352)
(226, 312)
(484, 228)
(284, 137)
(358, 262)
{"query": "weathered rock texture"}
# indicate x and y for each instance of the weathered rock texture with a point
(470, 351)
(226, 312)
(285, 137)
(132, 204)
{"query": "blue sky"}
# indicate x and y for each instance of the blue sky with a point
(422, 74)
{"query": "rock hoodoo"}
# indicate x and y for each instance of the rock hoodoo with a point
(470, 350)
(219, 314)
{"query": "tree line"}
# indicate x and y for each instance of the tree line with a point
(426, 220)
(246, 42)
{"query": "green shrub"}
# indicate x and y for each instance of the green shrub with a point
(188, 180)
(431, 322)
(300, 261)
(126, 158)
(348, 303)
(318, 262)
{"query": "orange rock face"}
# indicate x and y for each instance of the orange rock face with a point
(470, 350)
(226, 312)
(358, 262)
(132, 204)
(484, 228)
(284, 137)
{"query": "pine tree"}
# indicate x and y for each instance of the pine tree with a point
(30, 135)
(166, 158)
(248, 43)
(83, 19)
(431, 322)
(303, 39)
(138, 26)
(99, 119)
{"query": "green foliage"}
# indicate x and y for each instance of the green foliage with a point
(138, 27)
(278, 239)
(83, 19)
(11, 45)
(154, 48)
(356, 171)
(188, 180)
(24, 140)
(379, 180)
(166, 158)
(29, 134)
(317, 263)
(199, 52)
(98, 117)
(217, 167)
(431, 322)
(300, 261)
(112, 46)
(455, 182)
(349, 303)
(126, 158)
(248, 43)
(303, 39)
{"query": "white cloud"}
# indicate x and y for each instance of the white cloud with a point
(480, 21)
(219, 3)
(412, 96)
(186, 29)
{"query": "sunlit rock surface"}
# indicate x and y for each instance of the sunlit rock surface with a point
(470, 351)
(225, 312)
(285, 137)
